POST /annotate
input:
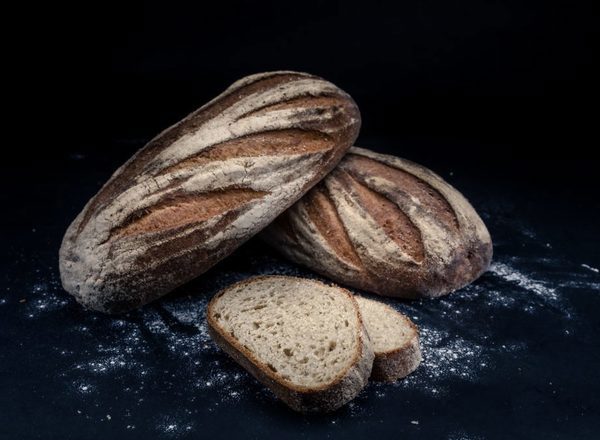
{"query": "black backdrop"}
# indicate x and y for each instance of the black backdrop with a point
(503, 92)
(499, 97)
(480, 84)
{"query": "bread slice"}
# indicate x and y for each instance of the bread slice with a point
(395, 340)
(303, 339)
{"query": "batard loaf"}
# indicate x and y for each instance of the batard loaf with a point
(202, 187)
(385, 225)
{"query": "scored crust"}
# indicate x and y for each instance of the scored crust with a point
(387, 226)
(204, 186)
(327, 397)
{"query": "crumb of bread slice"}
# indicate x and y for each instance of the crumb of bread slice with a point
(394, 337)
(303, 339)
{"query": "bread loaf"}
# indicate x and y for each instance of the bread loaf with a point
(394, 337)
(204, 186)
(303, 339)
(385, 225)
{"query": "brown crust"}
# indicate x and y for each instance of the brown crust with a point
(445, 243)
(362, 168)
(183, 210)
(389, 367)
(276, 142)
(328, 222)
(164, 217)
(395, 223)
(343, 388)
(140, 160)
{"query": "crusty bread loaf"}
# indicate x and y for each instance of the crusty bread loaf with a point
(394, 337)
(303, 339)
(203, 186)
(385, 225)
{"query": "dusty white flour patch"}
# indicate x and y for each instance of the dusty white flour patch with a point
(166, 343)
(172, 426)
(512, 275)
(445, 356)
(84, 387)
(588, 267)
(499, 298)
(44, 297)
(581, 284)
(449, 355)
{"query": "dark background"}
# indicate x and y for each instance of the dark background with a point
(494, 85)
(504, 92)
(499, 97)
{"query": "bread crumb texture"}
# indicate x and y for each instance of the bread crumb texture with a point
(389, 330)
(303, 331)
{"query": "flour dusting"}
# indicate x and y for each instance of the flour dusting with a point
(593, 269)
(165, 348)
(445, 356)
(517, 277)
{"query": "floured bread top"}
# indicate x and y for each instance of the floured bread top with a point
(203, 186)
(388, 329)
(305, 332)
(385, 225)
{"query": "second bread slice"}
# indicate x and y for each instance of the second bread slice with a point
(303, 339)
(395, 340)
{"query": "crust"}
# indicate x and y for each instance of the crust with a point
(456, 252)
(396, 364)
(389, 366)
(325, 398)
(114, 273)
(470, 257)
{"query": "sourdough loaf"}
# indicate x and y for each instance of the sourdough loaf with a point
(203, 186)
(303, 339)
(394, 337)
(386, 225)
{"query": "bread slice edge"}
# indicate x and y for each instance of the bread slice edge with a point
(325, 398)
(397, 363)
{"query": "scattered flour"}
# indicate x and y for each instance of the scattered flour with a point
(593, 269)
(168, 342)
(445, 357)
(510, 274)
(44, 297)
(587, 285)
(172, 426)
(84, 388)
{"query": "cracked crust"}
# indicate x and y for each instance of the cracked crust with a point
(325, 398)
(203, 187)
(393, 228)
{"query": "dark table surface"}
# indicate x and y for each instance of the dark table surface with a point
(514, 355)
